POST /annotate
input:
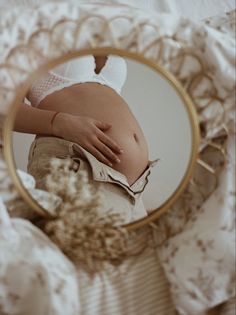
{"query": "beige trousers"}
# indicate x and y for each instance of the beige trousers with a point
(116, 192)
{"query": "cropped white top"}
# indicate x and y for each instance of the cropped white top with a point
(79, 70)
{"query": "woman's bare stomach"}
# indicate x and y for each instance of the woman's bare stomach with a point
(102, 103)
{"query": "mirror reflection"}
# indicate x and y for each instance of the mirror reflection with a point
(117, 120)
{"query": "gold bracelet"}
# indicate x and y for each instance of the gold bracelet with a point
(52, 120)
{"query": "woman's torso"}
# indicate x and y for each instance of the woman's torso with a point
(103, 103)
(90, 86)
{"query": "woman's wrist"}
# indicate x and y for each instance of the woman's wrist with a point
(52, 120)
(57, 123)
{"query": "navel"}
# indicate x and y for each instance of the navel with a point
(135, 137)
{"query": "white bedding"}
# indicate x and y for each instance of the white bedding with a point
(197, 10)
(193, 9)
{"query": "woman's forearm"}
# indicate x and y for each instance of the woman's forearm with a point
(85, 131)
(33, 120)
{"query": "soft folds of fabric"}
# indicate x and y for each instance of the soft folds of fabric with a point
(200, 261)
(116, 193)
(79, 70)
(35, 277)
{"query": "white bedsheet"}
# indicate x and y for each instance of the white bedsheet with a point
(193, 9)
(199, 9)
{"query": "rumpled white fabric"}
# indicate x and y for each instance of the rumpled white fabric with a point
(197, 10)
(17, 207)
(149, 5)
(35, 277)
(192, 9)
(47, 200)
(200, 261)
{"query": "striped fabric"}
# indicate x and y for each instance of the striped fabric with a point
(137, 287)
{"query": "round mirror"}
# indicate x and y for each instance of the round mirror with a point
(122, 122)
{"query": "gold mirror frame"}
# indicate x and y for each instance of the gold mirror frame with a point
(192, 115)
(143, 38)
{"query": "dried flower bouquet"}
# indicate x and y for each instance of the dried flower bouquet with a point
(85, 235)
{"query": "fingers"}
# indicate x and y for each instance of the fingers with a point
(102, 126)
(109, 142)
(107, 152)
(95, 152)
(101, 145)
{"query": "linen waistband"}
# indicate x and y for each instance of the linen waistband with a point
(100, 171)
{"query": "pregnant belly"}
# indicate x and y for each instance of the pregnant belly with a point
(134, 160)
(104, 104)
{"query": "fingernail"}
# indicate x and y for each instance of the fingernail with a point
(117, 160)
(110, 164)
(121, 150)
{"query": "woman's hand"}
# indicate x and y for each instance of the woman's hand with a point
(89, 133)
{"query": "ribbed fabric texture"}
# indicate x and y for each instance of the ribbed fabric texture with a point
(137, 287)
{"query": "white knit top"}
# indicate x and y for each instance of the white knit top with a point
(79, 70)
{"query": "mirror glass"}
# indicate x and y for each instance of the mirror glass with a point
(146, 117)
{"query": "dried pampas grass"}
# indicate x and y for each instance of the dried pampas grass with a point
(85, 235)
